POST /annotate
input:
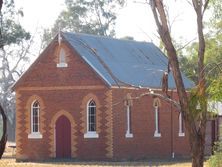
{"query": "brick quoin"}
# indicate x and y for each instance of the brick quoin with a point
(63, 89)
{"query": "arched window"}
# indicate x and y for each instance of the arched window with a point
(62, 58)
(129, 133)
(35, 120)
(181, 126)
(128, 103)
(91, 120)
(35, 117)
(156, 105)
(92, 116)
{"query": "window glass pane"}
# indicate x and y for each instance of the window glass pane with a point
(36, 104)
(35, 116)
(93, 127)
(35, 127)
(36, 120)
(93, 111)
(90, 127)
(90, 120)
(92, 116)
(35, 112)
(33, 120)
(92, 104)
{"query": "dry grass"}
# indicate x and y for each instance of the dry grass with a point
(9, 160)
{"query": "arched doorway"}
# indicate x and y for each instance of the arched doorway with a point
(63, 137)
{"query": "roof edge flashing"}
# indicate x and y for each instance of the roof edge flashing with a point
(97, 71)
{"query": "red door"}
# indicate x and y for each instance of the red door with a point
(63, 138)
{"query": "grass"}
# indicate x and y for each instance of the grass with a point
(9, 160)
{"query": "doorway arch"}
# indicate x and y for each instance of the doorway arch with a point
(52, 136)
(63, 137)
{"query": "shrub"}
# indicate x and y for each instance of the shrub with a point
(216, 159)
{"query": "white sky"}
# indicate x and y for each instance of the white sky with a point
(134, 20)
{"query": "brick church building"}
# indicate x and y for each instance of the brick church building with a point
(85, 98)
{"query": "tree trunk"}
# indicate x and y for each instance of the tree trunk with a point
(4, 134)
(198, 156)
(197, 143)
(196, 129)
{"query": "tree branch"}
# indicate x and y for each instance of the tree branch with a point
(205, 5)
(186, 44)
(165, 98)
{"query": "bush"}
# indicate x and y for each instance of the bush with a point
(216, 159)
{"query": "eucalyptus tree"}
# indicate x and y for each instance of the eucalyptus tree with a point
(213, 51)
(15, 43)
(195, 118)
(86, 16)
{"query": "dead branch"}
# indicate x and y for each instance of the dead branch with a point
(163, 97)
(152, 94)
(186, 44)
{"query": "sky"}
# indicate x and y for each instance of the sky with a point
(135, 19)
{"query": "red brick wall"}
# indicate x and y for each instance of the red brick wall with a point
(144, 144)
(63, 89)
(55, 101)
(48, 82)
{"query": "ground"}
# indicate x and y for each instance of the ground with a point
(9, 160)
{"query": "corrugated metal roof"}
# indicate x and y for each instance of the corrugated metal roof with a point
(123, 62)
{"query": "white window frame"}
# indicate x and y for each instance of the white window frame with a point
(181, 130)
(62, 59)
(128, 134)
(157, 130)
(35, 135)
(90, 134)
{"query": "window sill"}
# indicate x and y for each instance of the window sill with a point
(129, 135)
(181, 134)
(91, 135)
(60, 65)
(36, 135)
(157, 134)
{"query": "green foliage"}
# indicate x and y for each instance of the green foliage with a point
(213, 50)
(196, 102)
(13, 33)
(11, 30)
(215, 89)
(84, 16)
(216, 5)
(213, 56)
(216, 159)
(188, 65)
(14, 43)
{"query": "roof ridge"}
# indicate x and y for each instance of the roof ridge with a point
(107, 37)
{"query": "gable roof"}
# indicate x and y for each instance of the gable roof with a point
(123, 62)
